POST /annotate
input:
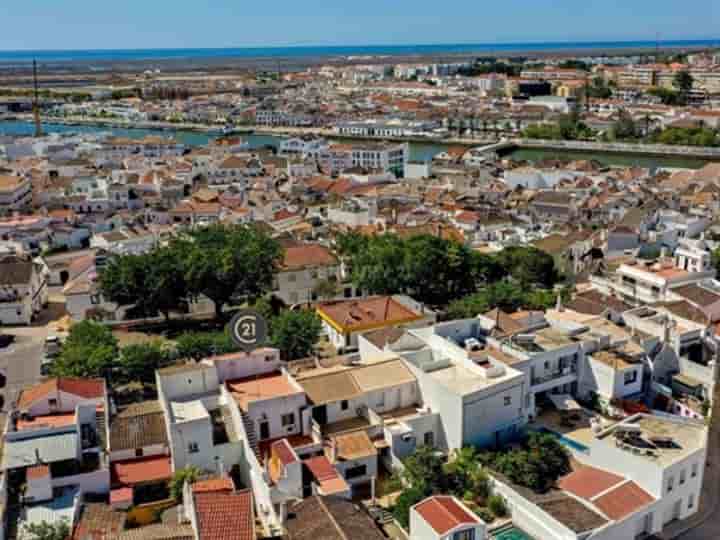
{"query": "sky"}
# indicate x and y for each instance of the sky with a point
(137, 24)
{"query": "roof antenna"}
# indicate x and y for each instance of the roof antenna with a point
(36, 102)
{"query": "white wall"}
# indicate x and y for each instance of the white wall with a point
(242, 365)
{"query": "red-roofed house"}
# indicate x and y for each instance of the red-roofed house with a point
(61, 395)
(443, 516)
(223, 516)
(305, 266)
(325, 477)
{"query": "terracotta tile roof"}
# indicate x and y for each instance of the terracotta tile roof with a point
(212, 485)
(587, 482)
(225, 516)
(269, 385)
(355, 445)
(623, 500)
(307, 255)
(140, 471)
(330, 518)
(98, 521)
(38, 471)
(146, 428)
(330, 387)
(443, 513)
(374, 312)
(284, 452)
(159, 531)
(85, 388)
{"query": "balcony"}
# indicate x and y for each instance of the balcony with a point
(554, 378)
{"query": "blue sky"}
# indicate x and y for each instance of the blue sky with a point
(101, 24)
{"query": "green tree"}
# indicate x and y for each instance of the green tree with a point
(424, 469)
(683, 82)
(151, 283)
(437, 270)
(138, 362)
(89, 351)
(59, 530)
(379, 267)
(496, 504)
(199, 345)
(189, 474)
(528, 266)
(228, 262)
(295, 333)
(537, 465)
(326, 289)
(405, 501)
(624, 127)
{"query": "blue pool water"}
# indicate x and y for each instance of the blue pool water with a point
(570, 443)
(512, 533)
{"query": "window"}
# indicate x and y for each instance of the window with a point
(508, 400)
(291, 277)
(380, 400)
(682, 477)
(344, 405)
(138, 452)
(631, 376)
(429, 438)
(52, 403)
(193, 448)
(269, 358)
(468, 534)
(288, 419)
(694, 470)
(355, 472)
(670, 483)
(547, 365)
(691, 501)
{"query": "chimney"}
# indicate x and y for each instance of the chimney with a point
(332, 450)
(559, 304)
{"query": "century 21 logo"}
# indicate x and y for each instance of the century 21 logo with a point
(248, 329)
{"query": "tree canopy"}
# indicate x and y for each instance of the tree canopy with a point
(88, 351)
(295, 333)
(228, 262)
(537, 465)
(221, 262)
(152, 282)
(430, 269)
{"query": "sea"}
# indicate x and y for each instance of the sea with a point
(21, 58)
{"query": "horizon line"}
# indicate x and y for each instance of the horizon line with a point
(707, 40)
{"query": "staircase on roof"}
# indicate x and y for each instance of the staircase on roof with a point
(250, 432)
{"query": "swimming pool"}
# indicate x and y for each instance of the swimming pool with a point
(570, 443)
(513, 533)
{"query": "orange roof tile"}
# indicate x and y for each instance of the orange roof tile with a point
(623, 500)
(86, 388)
(307, 255)
(225, 516)
(141, 470)
(587, 482)
(213, 485)
(443, 513)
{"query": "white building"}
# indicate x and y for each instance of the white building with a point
(443, 517)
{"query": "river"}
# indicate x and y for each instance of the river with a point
(418, 151)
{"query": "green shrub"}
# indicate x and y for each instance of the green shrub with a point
(496, 504)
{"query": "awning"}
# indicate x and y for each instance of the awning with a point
(564, 402)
